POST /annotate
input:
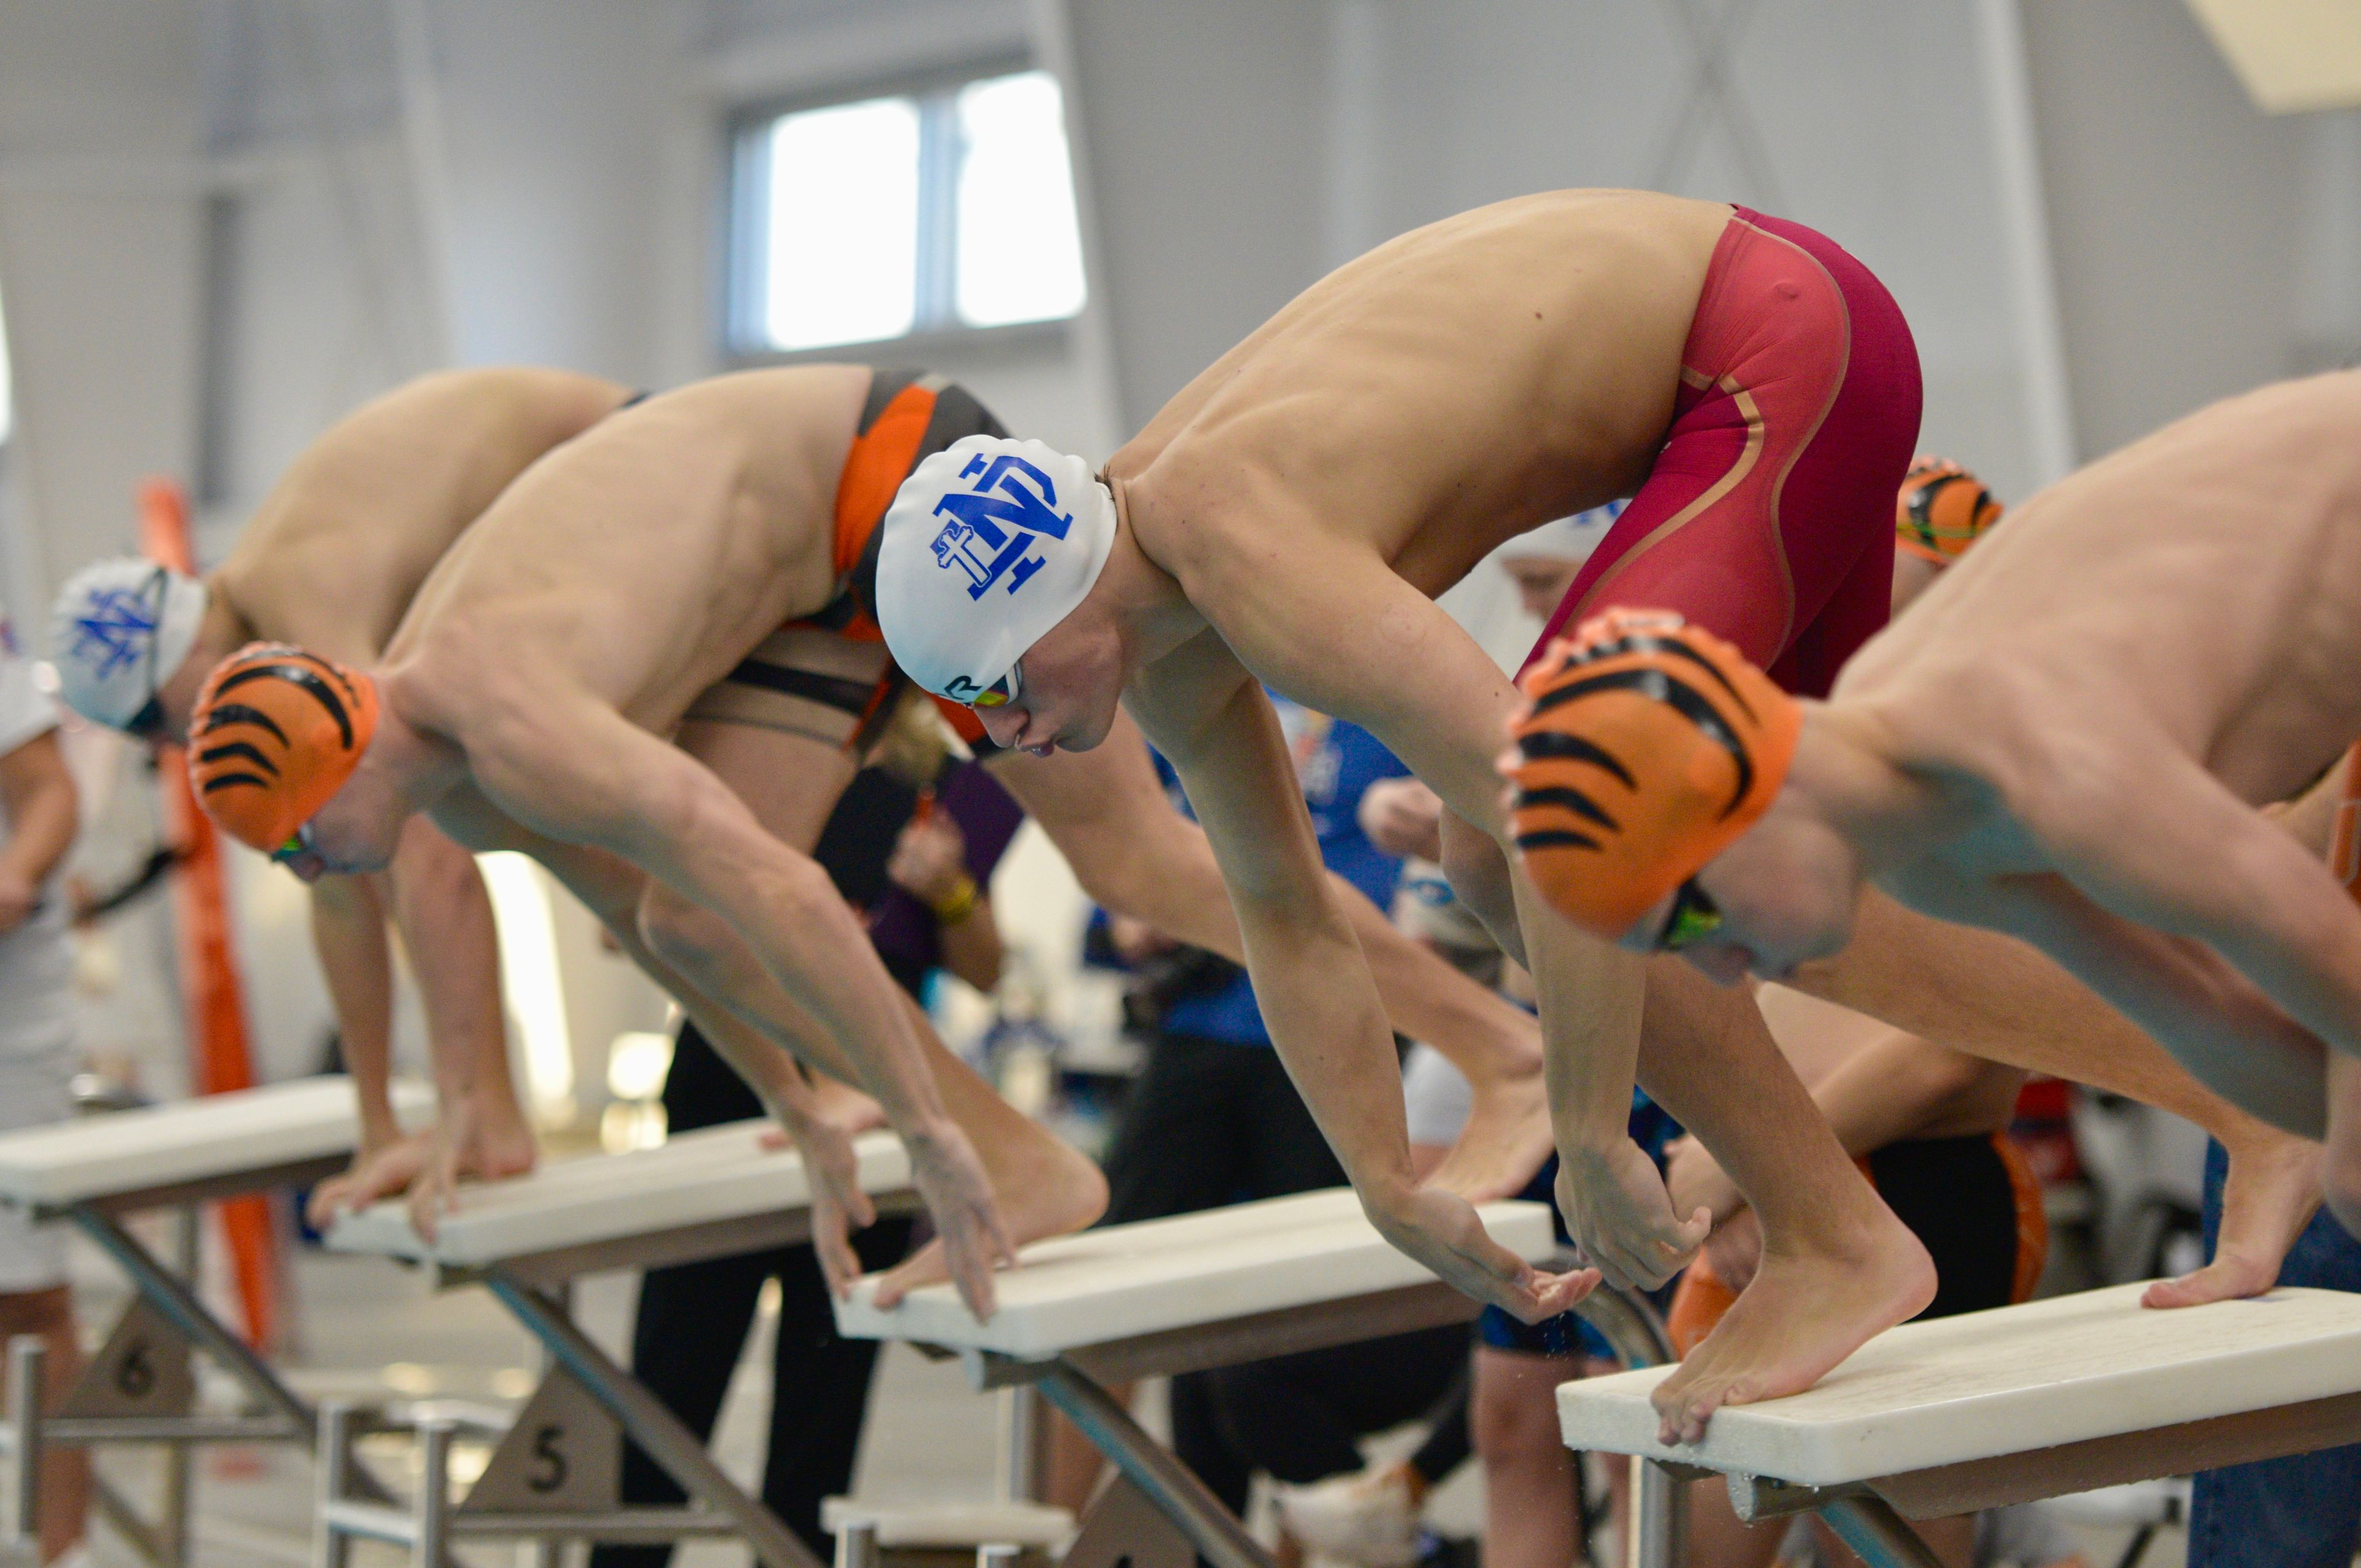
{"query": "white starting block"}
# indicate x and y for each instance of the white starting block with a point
(1989, 1409)
(141, 1387)
(1182, 1295)
(556, 1474)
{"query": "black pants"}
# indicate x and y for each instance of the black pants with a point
(1209, 1124)
(692, 1326)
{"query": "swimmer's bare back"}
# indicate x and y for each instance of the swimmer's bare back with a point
(340, 546)
(1449, 389)
(713, 510)
(2199, 591)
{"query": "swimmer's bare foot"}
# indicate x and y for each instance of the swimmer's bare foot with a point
(2270, 1195)
(1800, 1317)
(505, 1144)
(1044, 1189)
(374, 1175)
(1507, 1138)
(483, 1135)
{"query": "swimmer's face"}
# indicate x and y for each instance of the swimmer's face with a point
(1783, 895)
(1542, 582)
(1069, 684)
(355, 832)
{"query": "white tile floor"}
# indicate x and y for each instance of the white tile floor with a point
(367, 1327)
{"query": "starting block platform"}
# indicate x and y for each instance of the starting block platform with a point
(555, 1474)
(1989, 1409)
(1186, 1294)
(140, 1387)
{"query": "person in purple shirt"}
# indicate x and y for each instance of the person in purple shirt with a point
(917, 856)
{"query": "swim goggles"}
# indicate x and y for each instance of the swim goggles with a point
(1693, 918)
(1002, 692)
(298, 843)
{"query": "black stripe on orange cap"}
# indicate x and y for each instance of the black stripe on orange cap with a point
(1647, 747)
(279, 732)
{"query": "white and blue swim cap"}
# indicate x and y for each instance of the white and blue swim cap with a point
(988, 544)
(118, 630)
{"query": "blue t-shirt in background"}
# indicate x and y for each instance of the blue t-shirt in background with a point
(1336, 763)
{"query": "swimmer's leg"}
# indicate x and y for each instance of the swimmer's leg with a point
(1479, 869)
(1994, 997)
(2340, 1166)
(1837, 1267)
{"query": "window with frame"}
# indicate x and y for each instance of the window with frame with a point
(947, 208)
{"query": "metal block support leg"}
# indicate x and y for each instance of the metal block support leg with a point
(1883, 1537)
(173, 1297)
(1171, 1485)
(331, 1547)
(433, 1492)
(1660, 1518)
(655, 1429)
(856, 1545)
(28, 1364)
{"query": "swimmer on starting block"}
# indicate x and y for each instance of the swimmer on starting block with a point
(330, 559)
(1288, 518)
(715, 539)
(2067, 740)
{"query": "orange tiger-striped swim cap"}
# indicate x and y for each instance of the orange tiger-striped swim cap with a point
(1649, 747)
(1941, 510)
(275, 733)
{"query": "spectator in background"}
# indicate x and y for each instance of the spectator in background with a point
(39, 815)
(913, 842)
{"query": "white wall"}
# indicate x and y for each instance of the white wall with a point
(2202, 248)
(99, 227)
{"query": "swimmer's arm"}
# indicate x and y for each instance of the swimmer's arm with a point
(1332, 625)
(444, 914)
(1134, 854)
(580, 772)
(2168, 847)
(1370, 648)
(2212, 1020)
(356, 961)
(610, 888)
(1217, 729)
(1314, 984)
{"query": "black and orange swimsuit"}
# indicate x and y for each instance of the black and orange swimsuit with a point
(828, 676)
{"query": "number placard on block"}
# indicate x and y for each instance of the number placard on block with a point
(142, 1370)
(565, 1454)
(1123, 1529)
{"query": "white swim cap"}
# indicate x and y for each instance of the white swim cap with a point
(988, 544)
(118, 630)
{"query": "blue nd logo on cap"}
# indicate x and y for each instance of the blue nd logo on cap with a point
(989, 543)
(974, 539)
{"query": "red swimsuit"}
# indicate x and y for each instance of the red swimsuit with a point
(1768, 517)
